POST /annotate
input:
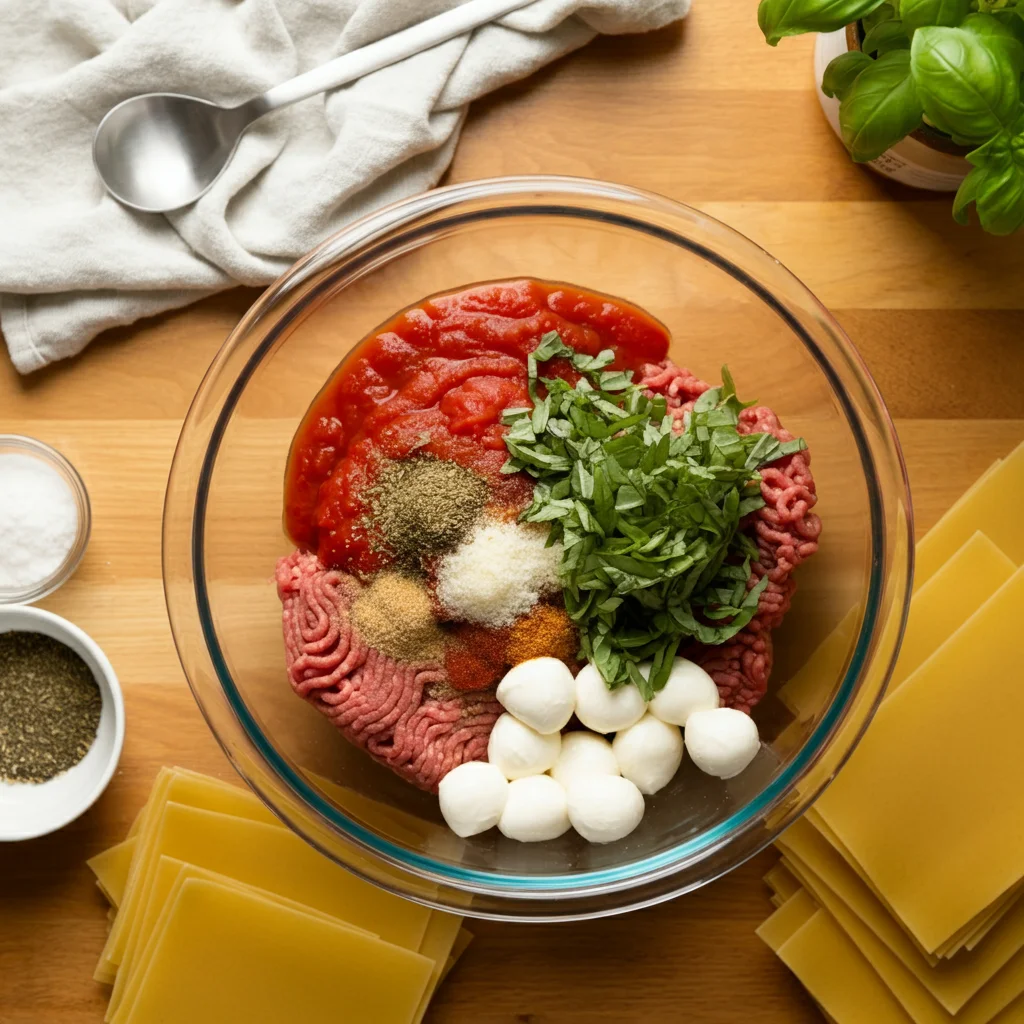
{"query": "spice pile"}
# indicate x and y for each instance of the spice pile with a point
(475, 656)
(546, 631)
(394, 615)
(50, 707)
(498, 574)
(422, 506)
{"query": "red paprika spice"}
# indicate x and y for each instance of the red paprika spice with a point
(475, 656)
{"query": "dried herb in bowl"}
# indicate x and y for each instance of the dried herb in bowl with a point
(50, 707)
(648, 519)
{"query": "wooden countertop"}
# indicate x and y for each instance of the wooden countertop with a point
(707, 114)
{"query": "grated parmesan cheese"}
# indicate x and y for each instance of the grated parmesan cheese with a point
(498, 573)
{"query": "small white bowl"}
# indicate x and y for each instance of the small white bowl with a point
(30, 809)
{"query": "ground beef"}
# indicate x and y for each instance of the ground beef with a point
(409, 718)
(403, 715)
(785, 530)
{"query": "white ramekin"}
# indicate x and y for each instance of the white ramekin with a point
(29, 809)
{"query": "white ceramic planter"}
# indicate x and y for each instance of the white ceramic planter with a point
(910, 161)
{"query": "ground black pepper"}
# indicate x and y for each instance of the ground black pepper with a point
(423, 506)
(49, 707)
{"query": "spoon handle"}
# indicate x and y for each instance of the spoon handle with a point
(389, 50)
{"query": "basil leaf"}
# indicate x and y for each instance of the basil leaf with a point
(541, 413)
(881, 107)
(842, 72)
(627, 498)
(1011, 18)
(615, 380)
(996, 185)
(551, 345)
(546, 513)
(780, 18)
(661, 666)
(1007, 33)
(885, 37)
(967, 83)
(511, 415)
(916, 14)
(588, 364)
(967, 193)
(886, 12)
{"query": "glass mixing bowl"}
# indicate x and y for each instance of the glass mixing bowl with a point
(726, 301)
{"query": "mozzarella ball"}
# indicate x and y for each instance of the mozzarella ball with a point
(605, 710)
(689, 688)
(649, 753)
(517, 750)
(540, 692)
(604, 808)
(721, 742)
(583, 754)
(536, 809)
(472, 797)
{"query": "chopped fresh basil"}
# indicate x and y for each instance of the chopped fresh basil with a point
(647, 518)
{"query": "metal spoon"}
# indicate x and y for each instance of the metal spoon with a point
(162, 151)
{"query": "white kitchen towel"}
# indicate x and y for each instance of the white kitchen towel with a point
(73, 262)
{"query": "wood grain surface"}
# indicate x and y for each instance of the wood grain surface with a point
(707, 114)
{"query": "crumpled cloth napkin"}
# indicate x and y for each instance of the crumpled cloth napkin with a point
(73, 262)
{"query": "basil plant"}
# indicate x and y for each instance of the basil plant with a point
(952, 64)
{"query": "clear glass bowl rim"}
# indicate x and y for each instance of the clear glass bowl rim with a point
(72, 477)
(558, 195)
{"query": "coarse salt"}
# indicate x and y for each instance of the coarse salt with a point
(38, 521)
(498, 574)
